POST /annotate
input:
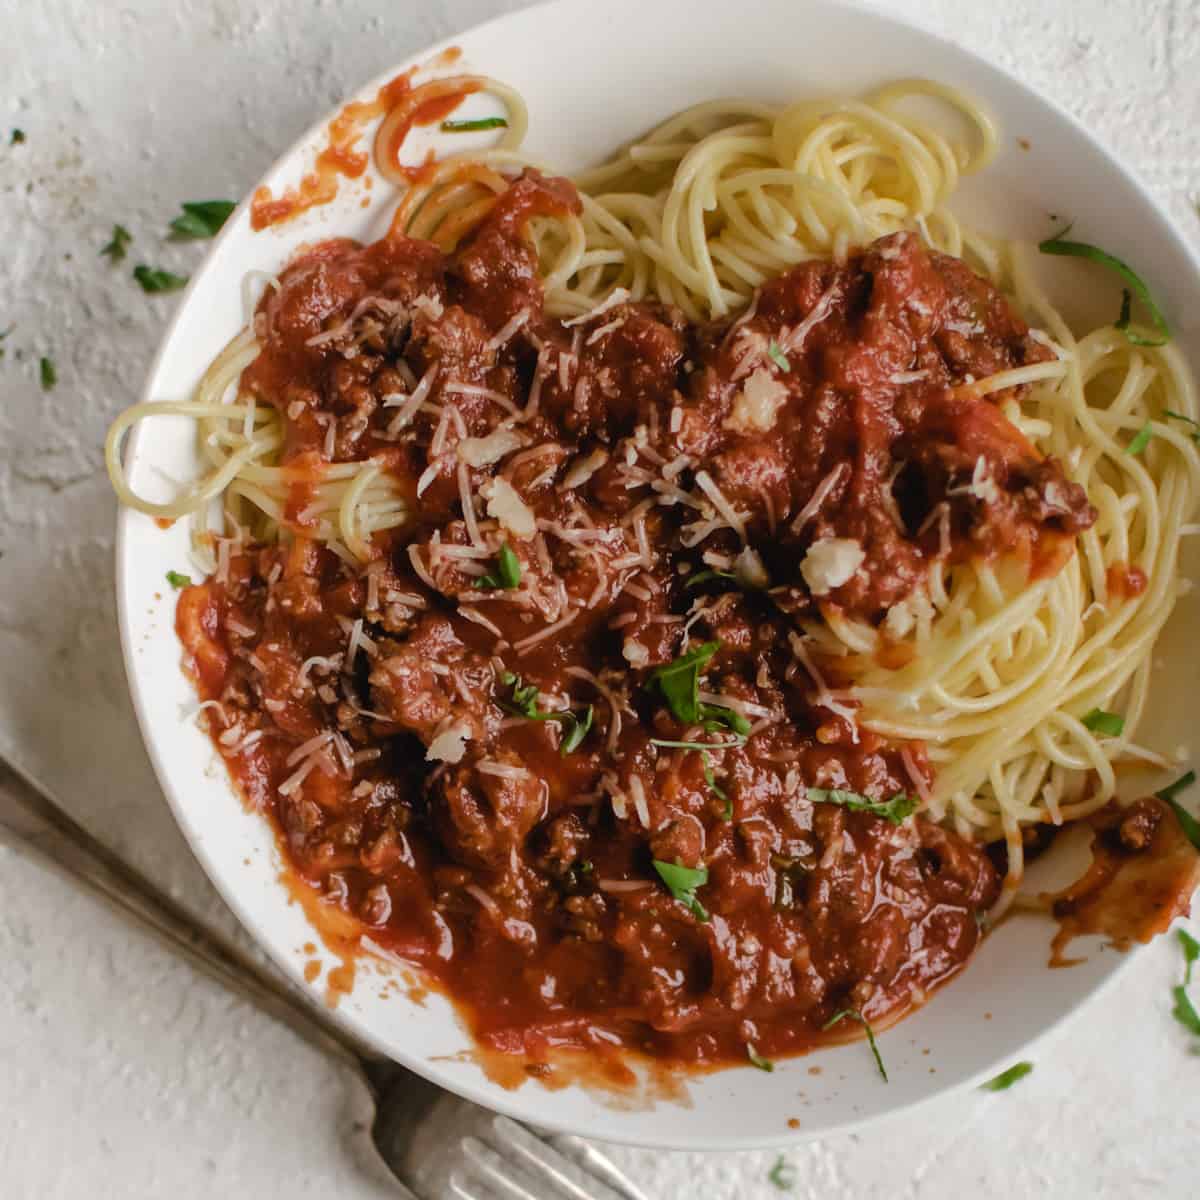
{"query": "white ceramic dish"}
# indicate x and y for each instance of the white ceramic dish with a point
(593, 76)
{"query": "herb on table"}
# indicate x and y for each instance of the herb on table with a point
(49, 375)
(476, 124)
(1005, 1080)
(1059, 245)
(757, 1060)
(896, 810)
(783, 1174)
(1191, 952)
(176, 580)
(1188, 823)
(679, 683)
(777, 356)
(524, 703)
(201, 218)
(855, 1015)
(1109, 724)
(1141, 439)
(508, 572)
(17, 137)
(682, 883)
(116, 246)
(154, 280)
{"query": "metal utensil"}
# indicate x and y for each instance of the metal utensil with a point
(436, 1144)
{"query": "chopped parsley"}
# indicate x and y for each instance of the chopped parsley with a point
(1058, 245)
(508, 572)
(201, 218)
(682, 883)
(153, 280)
(114, 249)
(476, 124)
(757, 1060)
(1184, 1011)
(777, 356)
(1191, 952)
(1109, 724)
(524, 703)
(855, 1015)
(176, 580)
(718, 791)
(17, 137)
(1188, 823)
(896, 810)
(707, 577)
(679, 683)
(1005, 1080)
(1195, 432)
(701, 746)
(782, 1174)
(1141, 439)
(49, 375)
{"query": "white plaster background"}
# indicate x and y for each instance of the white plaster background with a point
(124, 1074)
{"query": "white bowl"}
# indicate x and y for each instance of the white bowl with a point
(594, 75)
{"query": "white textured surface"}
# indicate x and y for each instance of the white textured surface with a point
(122, 1073)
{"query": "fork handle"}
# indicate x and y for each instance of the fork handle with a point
(38, 823)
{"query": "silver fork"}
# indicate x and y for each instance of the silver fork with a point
(436, 1145)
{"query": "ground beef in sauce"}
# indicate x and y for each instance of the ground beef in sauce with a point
(376, 711)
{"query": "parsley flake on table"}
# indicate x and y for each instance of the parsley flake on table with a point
(176, 580)
(782, 1174)
(1188, 823)
(757, 1060)
(201, 219)
(154, 280)
(48, 373)
(114, 249)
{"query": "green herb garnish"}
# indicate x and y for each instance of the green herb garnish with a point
(1141, 439)
(757, 1060)
(1109, 724)
(49, 375)
(718, 791)
(508, 572)
(701, 746)
(1188, 823)
(1005, 1080)
(524, 703)
(777, 356)
(17, 137)
(782, 1174)
(682, 883)
(855, 1015)
(679, 681)
(1058, 245)
(896, 810)
(1180, 417)
(153, 280)
(706, 577)
(176, 580)
(1184, 1011)
(1191, 952)
(201, 219)
(472, 126)
(116, 246)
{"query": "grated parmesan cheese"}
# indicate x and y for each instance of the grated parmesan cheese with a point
(757, 404)
(483, 451)
(506, 506)
(830, 563)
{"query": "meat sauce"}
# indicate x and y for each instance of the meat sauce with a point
(454, 827)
